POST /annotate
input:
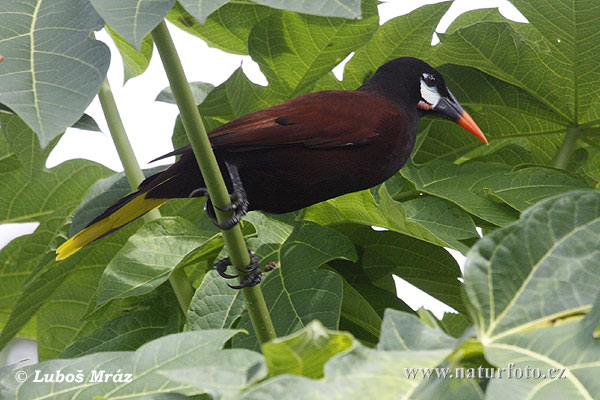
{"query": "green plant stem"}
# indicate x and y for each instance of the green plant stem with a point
(178, 279)
(405, 196)
(561, 159)
(192, 122)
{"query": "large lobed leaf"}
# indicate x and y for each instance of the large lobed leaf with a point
(294, 50)
(149, 257)
(527, 283)
(433, 220)
(542, 267)
(361, 372)
(201, 9)
(52, 69)
(487, 189)
(133, 19)
(145, 367)
(31, 192)
(552, 60)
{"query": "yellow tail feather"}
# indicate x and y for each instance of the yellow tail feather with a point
(130, 211)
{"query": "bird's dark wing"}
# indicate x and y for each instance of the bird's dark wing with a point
(322, 119)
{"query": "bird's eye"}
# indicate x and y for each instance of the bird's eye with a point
(429, 80)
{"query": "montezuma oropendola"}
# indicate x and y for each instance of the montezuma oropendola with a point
(306, 150)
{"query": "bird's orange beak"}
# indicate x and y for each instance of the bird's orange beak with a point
(449, 107)
(467, 122)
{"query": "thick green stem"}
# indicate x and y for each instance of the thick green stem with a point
(561, 159)
(179, 281)
(192, 122)
(405, 196)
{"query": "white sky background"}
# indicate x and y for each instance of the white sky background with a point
(149, 124)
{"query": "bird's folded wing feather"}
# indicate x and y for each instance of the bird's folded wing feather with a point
(322, 119)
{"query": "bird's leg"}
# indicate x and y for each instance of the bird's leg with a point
(239, 202)
(253, 270)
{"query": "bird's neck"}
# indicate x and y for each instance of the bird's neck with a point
(395, 95)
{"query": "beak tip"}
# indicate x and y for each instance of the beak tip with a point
(467, 122)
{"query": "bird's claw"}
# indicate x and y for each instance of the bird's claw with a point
(253, 270)
(239, 202)
(198, 192)
(221, 267)
(239, 205)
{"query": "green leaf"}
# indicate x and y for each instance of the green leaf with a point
(149, 257)
(63, 304)
(441, 224)
(541, 267)
(86, 123)
(567, 28)
(475, 16)
(325, 8)
(364, 301)
(555, 45)
(512, 151)
(199, 90)
(271, 228)
(359, 373)
(226, 29)
(52, 69)
(298, 292)
(428, 267)
(483, 188)
(133, 19)
(305, 352)
(152, 319)
(31, 192)
(134, 62)
(499, 50)
(294, 50)
(357, 310)
(455, 324)
(407, 35)
(592, 166)
(180, 351)
(225, 374)
(214, 305)
(404, 331)
(201, 9)
(568, 352)
(530, 185)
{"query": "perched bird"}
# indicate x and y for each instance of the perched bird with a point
(306, 150)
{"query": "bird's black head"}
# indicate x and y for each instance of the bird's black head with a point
(416, 86)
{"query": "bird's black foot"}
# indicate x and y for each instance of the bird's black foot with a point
(239, 202)
(253, 270)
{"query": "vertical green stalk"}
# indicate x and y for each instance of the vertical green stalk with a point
(561, 159)
(194, 128)
(179, 281)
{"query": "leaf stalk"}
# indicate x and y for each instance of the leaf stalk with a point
(178, 279)
(562, 157)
